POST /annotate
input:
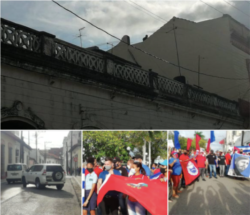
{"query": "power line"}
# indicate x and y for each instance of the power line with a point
(152, 55)
(236, 8)
(148, 11)
(212, 7)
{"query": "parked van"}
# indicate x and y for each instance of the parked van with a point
(15, 172)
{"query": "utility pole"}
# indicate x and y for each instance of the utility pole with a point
(36, 146)
(29, 137)
(149, 153)
(67, 161)
(144, 152)
(71, 152)
(176, 46)
(242, 138)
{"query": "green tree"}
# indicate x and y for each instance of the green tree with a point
(114, 143)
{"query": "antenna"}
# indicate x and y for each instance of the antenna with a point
(80, 35)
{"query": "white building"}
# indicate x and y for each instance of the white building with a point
(218, 47)
(37, 156)
(74, 138)
(234, 138)
(13, 150)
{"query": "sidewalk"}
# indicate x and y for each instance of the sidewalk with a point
(78, 180)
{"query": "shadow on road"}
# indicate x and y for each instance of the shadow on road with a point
(50, 192)
(215, 197)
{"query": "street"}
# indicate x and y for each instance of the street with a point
(31, 201)
(213, 196)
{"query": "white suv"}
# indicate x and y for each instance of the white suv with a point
(15, 172)
(45, 175)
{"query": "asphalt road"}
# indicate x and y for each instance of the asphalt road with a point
(222, 196)
(16, 200)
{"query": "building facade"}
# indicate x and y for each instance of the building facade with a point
(73, 138)
(48, 83)
(13, 150)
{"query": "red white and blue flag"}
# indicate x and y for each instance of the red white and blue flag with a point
(190, 171)
(141, 190)
(155, 176)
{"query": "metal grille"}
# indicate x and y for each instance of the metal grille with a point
(132, 74)
(19, 38)
(170, 87)
(79, 57)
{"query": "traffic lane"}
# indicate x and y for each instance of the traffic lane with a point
(49, 200)
(10, 190)
(213, 196)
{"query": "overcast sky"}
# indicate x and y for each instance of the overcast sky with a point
(219, 135)
(117, 17)
(54, 139)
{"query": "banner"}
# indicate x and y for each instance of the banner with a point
(208, 145)
(189, 142)
(151, 194)
(198, 138)
(246, 149)
(176, 141)
(212, 137)
(222, 141)
(240, 166)
(190, 171)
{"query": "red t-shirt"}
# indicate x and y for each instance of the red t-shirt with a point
(156, 171)
(184, 157)
(97, 171)
(228, 158)
(201, 161)
(135, 176)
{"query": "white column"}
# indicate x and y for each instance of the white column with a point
(149, 153)
(144, 152)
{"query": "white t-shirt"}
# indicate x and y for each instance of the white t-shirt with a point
(91, 178)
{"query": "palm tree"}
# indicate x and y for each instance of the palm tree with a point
(200, 134)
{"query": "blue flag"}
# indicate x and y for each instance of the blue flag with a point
(240, 166)
(176, 141)
(212, 137)
(245, 149)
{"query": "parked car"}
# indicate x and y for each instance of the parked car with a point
(15, 172)
(42, 175)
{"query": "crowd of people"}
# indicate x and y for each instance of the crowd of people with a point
(210, 165)
(115, 203)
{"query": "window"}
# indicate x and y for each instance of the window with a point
(10, 155)
(14, 167)
(17, 155)
(38, 168)
(53, 168)
(248, 67)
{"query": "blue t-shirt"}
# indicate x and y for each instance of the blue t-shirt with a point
(146, 169)
(177, 166)
(103, 175)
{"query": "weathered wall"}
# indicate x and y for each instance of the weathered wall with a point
(58, 105)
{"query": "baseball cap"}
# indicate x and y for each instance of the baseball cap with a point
(164, 163)
(138, 156)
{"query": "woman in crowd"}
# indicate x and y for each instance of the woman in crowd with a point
(134, 207)
(90, 183)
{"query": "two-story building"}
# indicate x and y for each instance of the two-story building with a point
(13, 150)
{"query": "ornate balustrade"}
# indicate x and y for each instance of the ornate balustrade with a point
(46, 44)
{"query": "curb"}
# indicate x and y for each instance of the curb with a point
(75, 185)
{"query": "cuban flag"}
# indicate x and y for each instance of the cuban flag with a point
(155, 176)
(83, 185)
(245, 149)
(240, 166)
